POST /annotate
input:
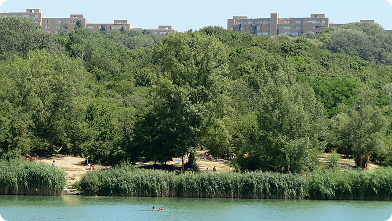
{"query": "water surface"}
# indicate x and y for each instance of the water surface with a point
(125, 208)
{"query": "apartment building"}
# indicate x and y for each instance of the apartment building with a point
(116, 26)
(58, 25)
(161, 31)
(34, 14)
(274, 25)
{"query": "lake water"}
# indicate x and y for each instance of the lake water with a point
(124, 208)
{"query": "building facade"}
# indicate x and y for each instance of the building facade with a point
(58, 25)
(117, 25)
(34, 14)
(274, 25)
(161, 31)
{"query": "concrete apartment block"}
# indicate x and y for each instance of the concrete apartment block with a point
(58, 25)
(274, 25)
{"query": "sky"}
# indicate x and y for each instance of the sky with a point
(184, 15)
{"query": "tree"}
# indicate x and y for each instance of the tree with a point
(290, 128)
(79, 24)
(169, 128)
(21, 35)
(361, 128)
(46, 93)
(103, 29)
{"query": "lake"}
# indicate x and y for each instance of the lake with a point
(124, 208)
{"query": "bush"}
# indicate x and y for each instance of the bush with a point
(128, 181)
(20, 177)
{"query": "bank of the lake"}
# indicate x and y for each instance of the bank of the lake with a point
(75, 208)
(24, 177)
(322, 184)
(21, 177)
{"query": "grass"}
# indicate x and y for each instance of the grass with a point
(330, 184)
(21, 177)
(128, 181)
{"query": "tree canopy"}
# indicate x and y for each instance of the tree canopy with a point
(276, 103)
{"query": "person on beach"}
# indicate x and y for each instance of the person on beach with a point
(153, 208)
(214, 169)
(54, 163)
(160, 209)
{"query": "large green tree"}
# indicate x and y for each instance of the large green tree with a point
(169, 128)
(21, 35)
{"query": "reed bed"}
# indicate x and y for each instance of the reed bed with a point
(127, 181)
(351, 185)
(21, 177)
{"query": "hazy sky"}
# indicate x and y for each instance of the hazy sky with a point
(195, 14)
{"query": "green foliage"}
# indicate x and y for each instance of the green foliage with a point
(361, 129)
(21, 35)
(127, 181)
(115, 97)
(43, 93)
(333, 159)
(20, 177)
(365, 40)
(169, 128)
(352, 185)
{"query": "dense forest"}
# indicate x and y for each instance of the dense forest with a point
(280, 101)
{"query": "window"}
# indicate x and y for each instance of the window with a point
(55, 32)
(297, 27)
(46, 21)
(297, 22)
(91, 27)
(323, 21)
(46, 27)
(295, 33)
(242, 28)
(58, 27)
(244, 23)
(265, 33)
(258, 28)
(58, 22)
(286, 27)
(25, 16)
(314, 27)
(286, 22)
(266, 22)
(15, 16)
(259, 33)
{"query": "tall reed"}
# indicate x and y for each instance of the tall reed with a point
(137, 182)
(24, 177)
(352, 185)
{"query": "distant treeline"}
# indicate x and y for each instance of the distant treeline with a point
(22, 177)
(317, 185)
(281, 101)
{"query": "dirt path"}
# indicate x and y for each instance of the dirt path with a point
(220, 164)
(346, 163)
(75, 171)
(69, 164)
